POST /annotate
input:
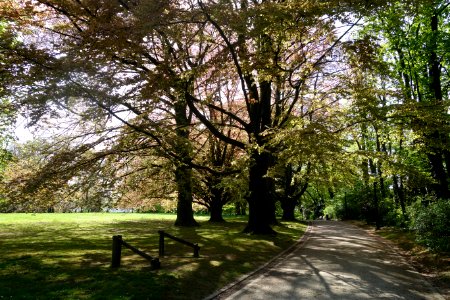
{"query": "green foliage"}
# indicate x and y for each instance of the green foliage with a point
(399, 100)
(38, 179)
(229, 209)
(330, 211)
(7, 110)
(353, 203)
(358, 204)
(430, 219)
(391, 214)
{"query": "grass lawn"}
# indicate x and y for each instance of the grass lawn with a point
(68, 256)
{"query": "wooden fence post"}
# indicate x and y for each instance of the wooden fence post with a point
(196, 250)
(116, 251)
(155, 263)
(161, 243)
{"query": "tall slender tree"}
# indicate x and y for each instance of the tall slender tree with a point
(415, 34)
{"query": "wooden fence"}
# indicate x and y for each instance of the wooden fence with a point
(117, 253)
(163, 234)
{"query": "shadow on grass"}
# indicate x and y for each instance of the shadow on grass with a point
(227, 254)
(31, 278)
(70, 260)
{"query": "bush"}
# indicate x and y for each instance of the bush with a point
(390, 214)
(430, 219)
(330, 211)
(394, 217)
(350, 206)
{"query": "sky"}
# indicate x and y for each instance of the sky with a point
(22, 133)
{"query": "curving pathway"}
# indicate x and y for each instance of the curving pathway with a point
(335, 260)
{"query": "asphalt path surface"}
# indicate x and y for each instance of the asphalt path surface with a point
(335, 260)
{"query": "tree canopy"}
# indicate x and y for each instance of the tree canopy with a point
(289, 102)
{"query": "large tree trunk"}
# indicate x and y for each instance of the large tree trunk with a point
(217, 201)
(259, 200)
(288, 206)
(185, 214)
(183, 173)
(364, 163)
(261, 190)
(215, 211)
(434, 95)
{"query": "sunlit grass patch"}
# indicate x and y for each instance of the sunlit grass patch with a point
(68, 256)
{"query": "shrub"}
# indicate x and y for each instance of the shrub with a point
(430, 219)
(390, 214)
(330, 211)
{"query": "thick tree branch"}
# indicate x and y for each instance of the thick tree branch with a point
(190, 100)
(231, 115)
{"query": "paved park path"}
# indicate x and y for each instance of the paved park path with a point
(335, 260)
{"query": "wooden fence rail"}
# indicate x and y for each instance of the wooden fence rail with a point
(163, 234)
(117, 253)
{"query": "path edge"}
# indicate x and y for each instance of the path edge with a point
(264, 266)
(405, 259)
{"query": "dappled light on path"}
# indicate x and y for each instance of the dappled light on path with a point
(338, 261)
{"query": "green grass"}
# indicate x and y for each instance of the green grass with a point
(67, 256)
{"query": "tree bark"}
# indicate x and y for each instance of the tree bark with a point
(183, 173)
(261, 190)
(376, 208)
(217, 200)
(292, 193)
(439, 174)
(259, 200)
(380, 148)
(215, 210)
(288, 206)
(435, 154)
(399, 193)
(288, 203)
(185, 214)
(364, 162)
